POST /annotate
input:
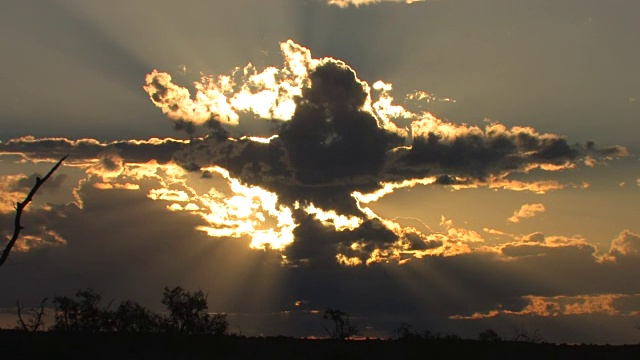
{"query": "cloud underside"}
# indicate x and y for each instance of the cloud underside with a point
(347, 3)
(564, 305)
(331, 145)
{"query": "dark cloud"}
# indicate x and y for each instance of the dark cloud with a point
(330, 136)
(335, 145)
(160, 150)
(315, 242)
(37, 230)
(25, 184)
(334, 140)
(480, 155)
(529, 250)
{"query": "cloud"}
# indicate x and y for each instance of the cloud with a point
(338, 135)
(38, 228)
(268, 94)
(81, 151)
(99, 240)
(526, 211)
(338, 147)
(627, 244)
(562, 305)
(331, 146)
(347, 3)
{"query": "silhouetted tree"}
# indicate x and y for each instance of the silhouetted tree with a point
(131, 317)
(404, 332)
(187, 313)
(81, 315)
(342, 327)
(35, 321)
(488, 335)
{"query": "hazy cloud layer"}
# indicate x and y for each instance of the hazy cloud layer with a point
(83, 150)
(347, 3)
(606, 304)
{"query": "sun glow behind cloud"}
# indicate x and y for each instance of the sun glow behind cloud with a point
(244, 213)
(307, 175)
(269, 93)
(334, 147)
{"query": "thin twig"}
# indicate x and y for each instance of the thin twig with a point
(23, 324)
(20, 208)
(36, 320)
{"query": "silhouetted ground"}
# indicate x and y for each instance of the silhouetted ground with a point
(51, 345)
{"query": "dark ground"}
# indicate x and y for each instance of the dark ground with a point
(51, 345)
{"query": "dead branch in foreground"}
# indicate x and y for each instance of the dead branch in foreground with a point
(20, 208)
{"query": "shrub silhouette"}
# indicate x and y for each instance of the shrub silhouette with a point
(82, 315)
(404, 332)
(187, 313)
(488, 335)
(342, 327)
(131, 317)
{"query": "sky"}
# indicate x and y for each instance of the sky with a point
(456, 165)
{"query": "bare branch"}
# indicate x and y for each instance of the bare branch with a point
(36, 321)
(20, 206)
(39, 314)
(21, 322)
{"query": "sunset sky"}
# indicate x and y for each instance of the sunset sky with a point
(456, 165)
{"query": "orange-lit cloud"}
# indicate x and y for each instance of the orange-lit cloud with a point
(526, 211)
(333, 145)
(538, 187)
(502, 183)
(387, 188)
(347, 3)
(109, 165)
(44, 239)
(627, 244)
(269, 94)
(11, 192)
(247, 213)
(109, 186)
(562, 305)
(538, 238)
(340, 222)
